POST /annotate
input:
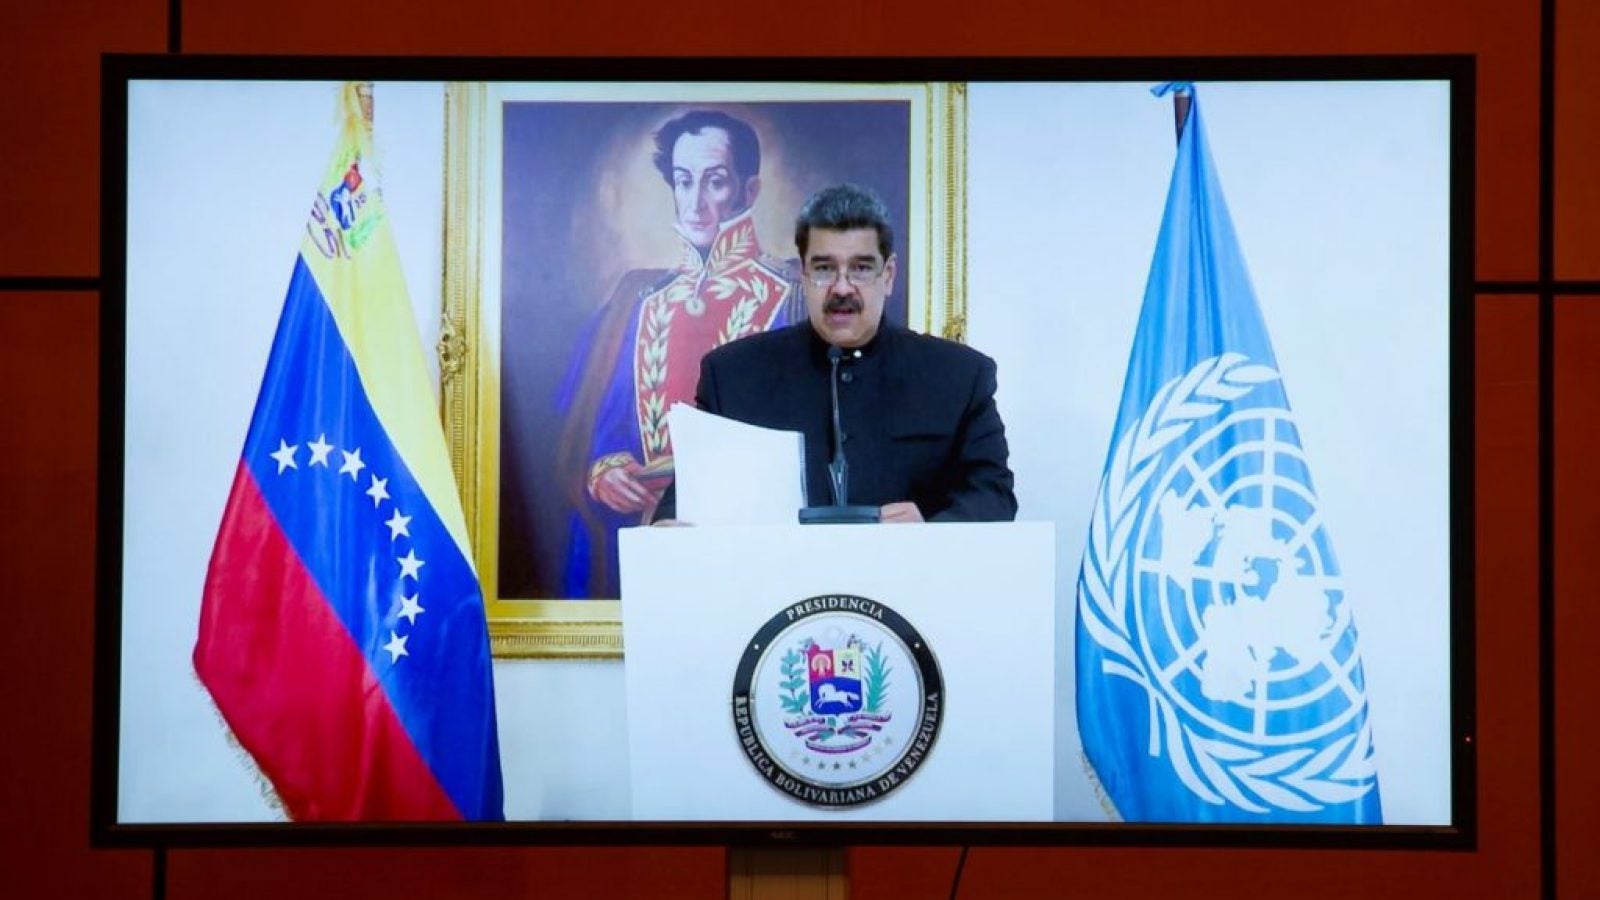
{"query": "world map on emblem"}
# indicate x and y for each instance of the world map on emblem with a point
(1240, 601)
(1210, 582)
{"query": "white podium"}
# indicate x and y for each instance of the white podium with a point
(752, 653)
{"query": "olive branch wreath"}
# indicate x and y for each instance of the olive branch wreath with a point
(743, 314)
(1300, 779)
(653, 374)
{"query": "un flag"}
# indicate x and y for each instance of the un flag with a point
(1218, 668)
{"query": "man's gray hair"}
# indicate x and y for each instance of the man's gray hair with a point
(844, 207)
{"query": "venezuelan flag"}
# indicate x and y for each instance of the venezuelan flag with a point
(342, 632)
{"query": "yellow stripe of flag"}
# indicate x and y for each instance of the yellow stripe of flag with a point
(358, 272)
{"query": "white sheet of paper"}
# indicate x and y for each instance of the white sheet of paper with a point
(730, 473)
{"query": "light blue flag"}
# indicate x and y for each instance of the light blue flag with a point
(1219, 675)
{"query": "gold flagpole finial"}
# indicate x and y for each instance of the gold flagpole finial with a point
(364, 99)
(356, 108)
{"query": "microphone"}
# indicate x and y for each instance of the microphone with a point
(839, 468)
(841, 512)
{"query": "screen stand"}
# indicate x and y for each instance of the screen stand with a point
(158, 875)
(787, 873)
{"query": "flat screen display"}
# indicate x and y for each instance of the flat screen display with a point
(381, 340)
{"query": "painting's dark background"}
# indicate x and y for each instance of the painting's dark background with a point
(1537, 250)
(557, 269)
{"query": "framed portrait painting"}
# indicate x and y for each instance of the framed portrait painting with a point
(599, 239)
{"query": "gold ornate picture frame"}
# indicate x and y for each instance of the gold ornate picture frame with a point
(504, 144)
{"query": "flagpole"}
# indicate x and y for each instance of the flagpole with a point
(1182, 99)
(356, 112)
(363, 91)
(158, 874)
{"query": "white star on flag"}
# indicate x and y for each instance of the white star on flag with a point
(352, 463)
(319, 450)
(396, 647)
(379, 491)
(410, 608)
(409, 564)
(285, 455)
(397, 525)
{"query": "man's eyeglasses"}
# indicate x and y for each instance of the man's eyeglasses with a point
(860, 274)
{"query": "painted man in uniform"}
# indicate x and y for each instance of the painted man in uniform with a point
(643, 351)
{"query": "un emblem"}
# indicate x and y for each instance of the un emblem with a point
(1213, 583)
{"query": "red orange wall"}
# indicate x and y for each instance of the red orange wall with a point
(49, 219)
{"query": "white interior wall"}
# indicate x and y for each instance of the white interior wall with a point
(1340, 200)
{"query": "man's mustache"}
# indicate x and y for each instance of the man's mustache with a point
(842, 305)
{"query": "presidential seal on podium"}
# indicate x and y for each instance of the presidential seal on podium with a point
(837, 701)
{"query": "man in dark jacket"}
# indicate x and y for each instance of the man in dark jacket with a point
(921, 431)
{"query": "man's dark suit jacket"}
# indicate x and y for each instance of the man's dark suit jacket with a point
(918, 415)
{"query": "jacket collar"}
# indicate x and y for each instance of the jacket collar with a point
(874, 348)
(735, 243)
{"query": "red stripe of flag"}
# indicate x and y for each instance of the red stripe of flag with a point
(293, 686)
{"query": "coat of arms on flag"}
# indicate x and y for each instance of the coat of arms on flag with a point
(1219, 667)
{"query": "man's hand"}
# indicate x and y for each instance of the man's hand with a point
(904, 511)
(621, 489)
